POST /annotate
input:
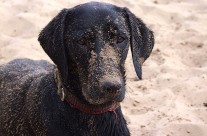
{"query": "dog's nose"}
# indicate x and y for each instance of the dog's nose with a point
(111, 86)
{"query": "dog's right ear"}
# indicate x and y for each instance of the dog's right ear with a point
(51, 39)
(142, 41)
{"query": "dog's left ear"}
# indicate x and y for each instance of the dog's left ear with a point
(141, 41)
(51, 39)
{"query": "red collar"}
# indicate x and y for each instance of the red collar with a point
(74, 102)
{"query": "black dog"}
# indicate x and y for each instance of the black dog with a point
(89, 45)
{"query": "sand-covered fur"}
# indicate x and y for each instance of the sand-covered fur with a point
(170, 100)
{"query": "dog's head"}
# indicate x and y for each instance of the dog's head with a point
(89, 44)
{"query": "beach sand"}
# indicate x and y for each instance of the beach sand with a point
(171, 100)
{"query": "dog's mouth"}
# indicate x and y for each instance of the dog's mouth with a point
(101, 101)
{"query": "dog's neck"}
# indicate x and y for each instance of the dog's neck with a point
(74, 102)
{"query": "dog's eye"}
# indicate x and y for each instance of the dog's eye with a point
(120, 39)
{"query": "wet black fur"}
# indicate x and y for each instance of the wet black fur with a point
(29, 104)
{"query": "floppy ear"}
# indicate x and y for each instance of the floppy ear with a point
(51, 39)
(142, 41)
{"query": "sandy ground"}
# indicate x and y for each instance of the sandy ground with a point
(170, 100)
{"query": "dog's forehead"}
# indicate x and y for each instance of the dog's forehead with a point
(95, 10)
(96, 15)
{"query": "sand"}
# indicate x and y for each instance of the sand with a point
(170, 100)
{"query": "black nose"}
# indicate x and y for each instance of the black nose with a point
(111, 86)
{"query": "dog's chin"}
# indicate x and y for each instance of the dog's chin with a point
(101, 101)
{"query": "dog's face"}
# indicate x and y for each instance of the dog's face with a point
(89, 44)
(98, 44)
